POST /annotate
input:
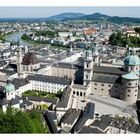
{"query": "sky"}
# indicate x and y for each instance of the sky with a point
(22, 12)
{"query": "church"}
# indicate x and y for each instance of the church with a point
(118, 82)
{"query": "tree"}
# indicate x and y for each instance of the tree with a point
(122, 40)
(137, 29)
(15, 121)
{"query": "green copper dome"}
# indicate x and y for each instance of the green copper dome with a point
(138, 73)
(132, 60)
(9, 87)
(130, 76)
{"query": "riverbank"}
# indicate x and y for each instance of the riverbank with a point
(3, 37)
(27, 39)
(14, 37)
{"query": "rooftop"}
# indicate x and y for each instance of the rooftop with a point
(70, 116)
(49, 79)
(64, 65)
(29, 59)
(131, 76)
(65, 98)
(106, 78)
(88, 130)
(132, 60)
(109, 70)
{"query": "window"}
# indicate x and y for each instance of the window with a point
(129, 84)
(86, 76)
(80, 93)
(73, 92)
(115, 90)
(95, 88)
(109, 85)
(136, 90)
(87, 65)
(129, 90)
(77, 93)
(136, 84)
(102, 89)
(116, 86)
(135, 95)
(128, 95)
(102, 84)
(95, 84)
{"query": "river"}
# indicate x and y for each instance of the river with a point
(17, 35)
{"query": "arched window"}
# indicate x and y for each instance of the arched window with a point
(77, 93)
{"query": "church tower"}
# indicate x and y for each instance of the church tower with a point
(19, 60)
(88, 67)
(9, 90)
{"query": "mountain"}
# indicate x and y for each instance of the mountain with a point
(120, 20)
(95, 16)
(65, 16)
(75, 16)
(114, 19)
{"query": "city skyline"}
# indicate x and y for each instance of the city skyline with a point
(35, 12)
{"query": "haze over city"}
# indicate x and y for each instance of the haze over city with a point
(28, 12)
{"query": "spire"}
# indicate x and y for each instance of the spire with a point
(18, 42)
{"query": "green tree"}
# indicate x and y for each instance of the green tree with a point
(15, 121)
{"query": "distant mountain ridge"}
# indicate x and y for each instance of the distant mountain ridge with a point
(75, 16)
(95, 16)
(64, 16)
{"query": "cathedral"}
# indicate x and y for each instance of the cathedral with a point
(118, 82)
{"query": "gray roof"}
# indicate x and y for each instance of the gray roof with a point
(87, 129)
(3, 102)
(122, 123)
(106, 78)
(19, 82)
(106, 119)
(87, 114)
(80, 123)
(70, 116)
(3, 63)
(25, 103)
(109, 70)
(64, 65)
(11, 66)
(99, 124)
(89, 110)
(8, 72)
(50, 122)
(63, 102)
(39, 99)
(61, 131)
(50, 79)
(14, 101)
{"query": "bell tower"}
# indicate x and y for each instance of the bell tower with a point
(88, 66)
(19, 60)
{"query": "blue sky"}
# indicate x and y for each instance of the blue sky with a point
(10, 12)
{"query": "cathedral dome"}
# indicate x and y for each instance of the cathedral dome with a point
(130, 76)
(9, 87)
(132, 60)
(29, 59)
